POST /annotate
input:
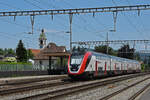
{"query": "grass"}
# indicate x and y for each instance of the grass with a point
(14, 63)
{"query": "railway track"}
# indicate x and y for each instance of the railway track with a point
(32, 86)
(27, 84)
(128, 87)
(58, 93)
(139, 92)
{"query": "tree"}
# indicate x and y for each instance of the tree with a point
(103, 49)
(148, 63)
(21, 52)
(5, 51)
(79, 49)
(29, 54)
(1, 52)
(137, 56)
(10, 51)
(126, 52)
(74, 48)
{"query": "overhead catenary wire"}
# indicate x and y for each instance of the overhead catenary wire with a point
(19, 25)
(130, 22)
(140, 23)
(33, 4)
(8, 5)
(47, 3)
(75, 24)
(32, 21)
(133, 25)
(98, 22)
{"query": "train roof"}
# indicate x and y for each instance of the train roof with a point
(82, 52)
(114, 57)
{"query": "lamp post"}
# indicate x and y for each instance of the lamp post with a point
(107, 43)
(70, 38)
(107, 40)
(70, 32)
(70, 20)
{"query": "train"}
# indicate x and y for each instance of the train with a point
(90, 64)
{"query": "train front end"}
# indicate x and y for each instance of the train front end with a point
(77, 64)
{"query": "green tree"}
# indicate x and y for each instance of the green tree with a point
(1, 52)
(21, 52)
(79, 49)
(103, 49)
(11, 51)
(29, 54)
(126, 52)
(74, 48)
(7, 51)
(148, 62)
(142, 67)
(137, 56)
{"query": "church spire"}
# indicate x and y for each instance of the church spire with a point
(42, 39)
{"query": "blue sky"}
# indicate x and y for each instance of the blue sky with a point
(85, 27)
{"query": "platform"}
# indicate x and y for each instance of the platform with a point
(25, 78)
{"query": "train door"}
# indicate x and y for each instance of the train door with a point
(113, 66)
(110, 64)
(96, 68)
(105, 70)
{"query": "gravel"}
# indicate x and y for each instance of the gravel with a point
(128, 93)
(94, 94)
(100, 92)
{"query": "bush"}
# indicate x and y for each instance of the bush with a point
(14, 63)
(10, 59)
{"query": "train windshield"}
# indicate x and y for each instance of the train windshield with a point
(77, 57)
(76, 60)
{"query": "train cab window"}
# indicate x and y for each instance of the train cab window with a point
(76, 60)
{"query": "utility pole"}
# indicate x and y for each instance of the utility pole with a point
(107, 43)
(70, 18)
(145, 53)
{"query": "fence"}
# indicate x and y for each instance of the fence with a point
(22, 67)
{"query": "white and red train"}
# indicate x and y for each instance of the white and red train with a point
(92, 64)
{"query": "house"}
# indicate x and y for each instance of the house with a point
(51, 56)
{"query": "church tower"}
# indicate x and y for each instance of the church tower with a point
(42, 40)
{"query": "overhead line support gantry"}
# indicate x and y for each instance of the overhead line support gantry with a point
(111, 42)
(76, 11)
(115, 10)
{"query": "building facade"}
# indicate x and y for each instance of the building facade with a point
(51, 56)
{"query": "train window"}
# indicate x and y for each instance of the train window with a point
(76, 60)
(100, 68)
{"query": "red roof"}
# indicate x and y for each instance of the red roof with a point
(35, 51)
(50, 50)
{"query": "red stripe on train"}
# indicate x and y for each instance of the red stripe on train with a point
(69, 65)
(84, 61)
